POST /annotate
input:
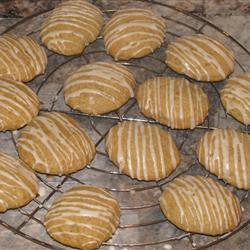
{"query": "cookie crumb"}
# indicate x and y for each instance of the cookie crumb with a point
(132, 192)
(167, 246)
(42, 191)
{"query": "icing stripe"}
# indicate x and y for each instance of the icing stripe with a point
(200, 57)
(133, 33)
(173, 101)
(224, 153)
(235, 97)
(21, 57)
(142, 151)
(18, 184)
(99, 82)
(71, 26)
(201, 205)
(56, 143)
(18, 104)
(86, 213)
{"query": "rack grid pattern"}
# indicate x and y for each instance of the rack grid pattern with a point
(136, 198)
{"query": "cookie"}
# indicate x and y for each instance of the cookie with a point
(174, 102)
(21, 57)
(18, 183)
(200, 57)
(99, 87)
(54, 143)
(83, 217)
(142, 151)
(71, 26)
(18, 104)
(200, 205)
(235, 97)
(226, 153)
(133, 33)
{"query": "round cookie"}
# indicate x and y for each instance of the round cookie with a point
(83, 217)
(200, 205)
(54, 143)
(142, 150)
(133, 33)
(18, 104)
(174, 102)
(18, 183)
(21, 57)
(226, 153)
(99, 87)
(200, 57)
(71, 26)
(235, 97)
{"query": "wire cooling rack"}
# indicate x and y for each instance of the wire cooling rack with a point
(143, 226)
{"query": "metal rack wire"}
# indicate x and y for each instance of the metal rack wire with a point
(121, 186)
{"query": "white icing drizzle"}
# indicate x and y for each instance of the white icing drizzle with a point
(224, 153)
(142, 150)
(214, 210)
(18, 183)
(194, 66)
(104, 81)
(166, 98)
(71, 26)
(137, 149)
(21, 57)
(152, 150)
(73, 210)
(18, 103)
(190, 55)
(235, 97)
(54, 139)
(143, 27)
(160, 151)
(128, 157)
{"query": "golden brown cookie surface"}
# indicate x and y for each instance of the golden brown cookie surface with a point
(142, 151)
(200, 205)
(18, 183)
(71, 26)
(21, 57)
(174, 102)
(18, 104)
(99, 87)
(83, 217)
(226, 153)
(133, 33)
(200, 57)
(235, 97)
(54, 143)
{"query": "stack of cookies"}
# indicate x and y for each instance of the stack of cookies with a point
(54, 143)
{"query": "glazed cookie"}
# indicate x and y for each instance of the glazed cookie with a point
(54, 143)
(174, 102)
(18, 183)
(200, 205)
(235, 97)
(226, 153)
(133, 33)
(18, 104)
(71, 26)
(142, 151)
(21, 57)
(200, 57)
(83, 217)
(99, 87)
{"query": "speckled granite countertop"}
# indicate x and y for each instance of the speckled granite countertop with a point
(232, 16)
